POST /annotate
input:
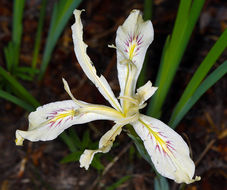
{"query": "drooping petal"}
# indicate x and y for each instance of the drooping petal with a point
(132, 41)
(167, 149)
(50, 120)
(86, 64)
(105, 144)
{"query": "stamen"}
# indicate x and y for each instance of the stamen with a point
(128, 120)
(130, 99)
(142, 106)
(112, 46)
(67, 89)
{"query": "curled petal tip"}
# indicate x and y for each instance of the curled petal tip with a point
(197, 178)
(19, 139)
(76, 11)
(86, 158)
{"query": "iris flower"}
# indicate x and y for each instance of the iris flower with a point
(167, 150)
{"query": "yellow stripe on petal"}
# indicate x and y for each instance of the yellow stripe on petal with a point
(71, 113)
(132, 51)
(158, 139)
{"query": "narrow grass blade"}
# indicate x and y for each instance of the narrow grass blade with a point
(201, 73)
(69, 142)
(21, 91)
(161, 183)
(73, 135)
(118, 183)
(15, 100)
(96, 163)
(188, 13)
(18, 9)
(204, 86)
(27, 70)
(147, 10)
(61, 14)
(39, 33)
(9, 51)
(73, 157)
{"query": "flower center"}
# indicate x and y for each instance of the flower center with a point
(133, 106)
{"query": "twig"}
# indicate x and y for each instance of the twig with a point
(110, 165)
(116, 159)
(210, 144)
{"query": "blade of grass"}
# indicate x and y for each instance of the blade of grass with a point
(147, 10)
(39, 33)
(18, 9)
(188, 13)
(72, 157)
(15, 100)
(118, 183)
(19, 88)
(200, 73)
(73, 135)
(9, 51)
(69, 142)
(203, 87)
(161, 183)
(61, 14)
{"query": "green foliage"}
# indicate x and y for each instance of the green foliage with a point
(118, 183)
(174, 48)
(39, 33)
(160, 183)
(78, 146)
(9, 77)
(18, 89)
(15, 100)
(200, 90)
(61, 13)
(198, 76)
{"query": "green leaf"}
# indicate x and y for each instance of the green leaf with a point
(201, 73)
(39, 33)
(25, 73)
(23, 76)
(204, 86)
(73, 157)
(73, 135)
(9, 52)
(19, 88)
(119, 182)
(96, 163)
(18, 8)
(69, 142)
(86, 139)
(61, 14)
(147, 10)
(15, 100)
(28, 70)
(187, 16)
(160, 183)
